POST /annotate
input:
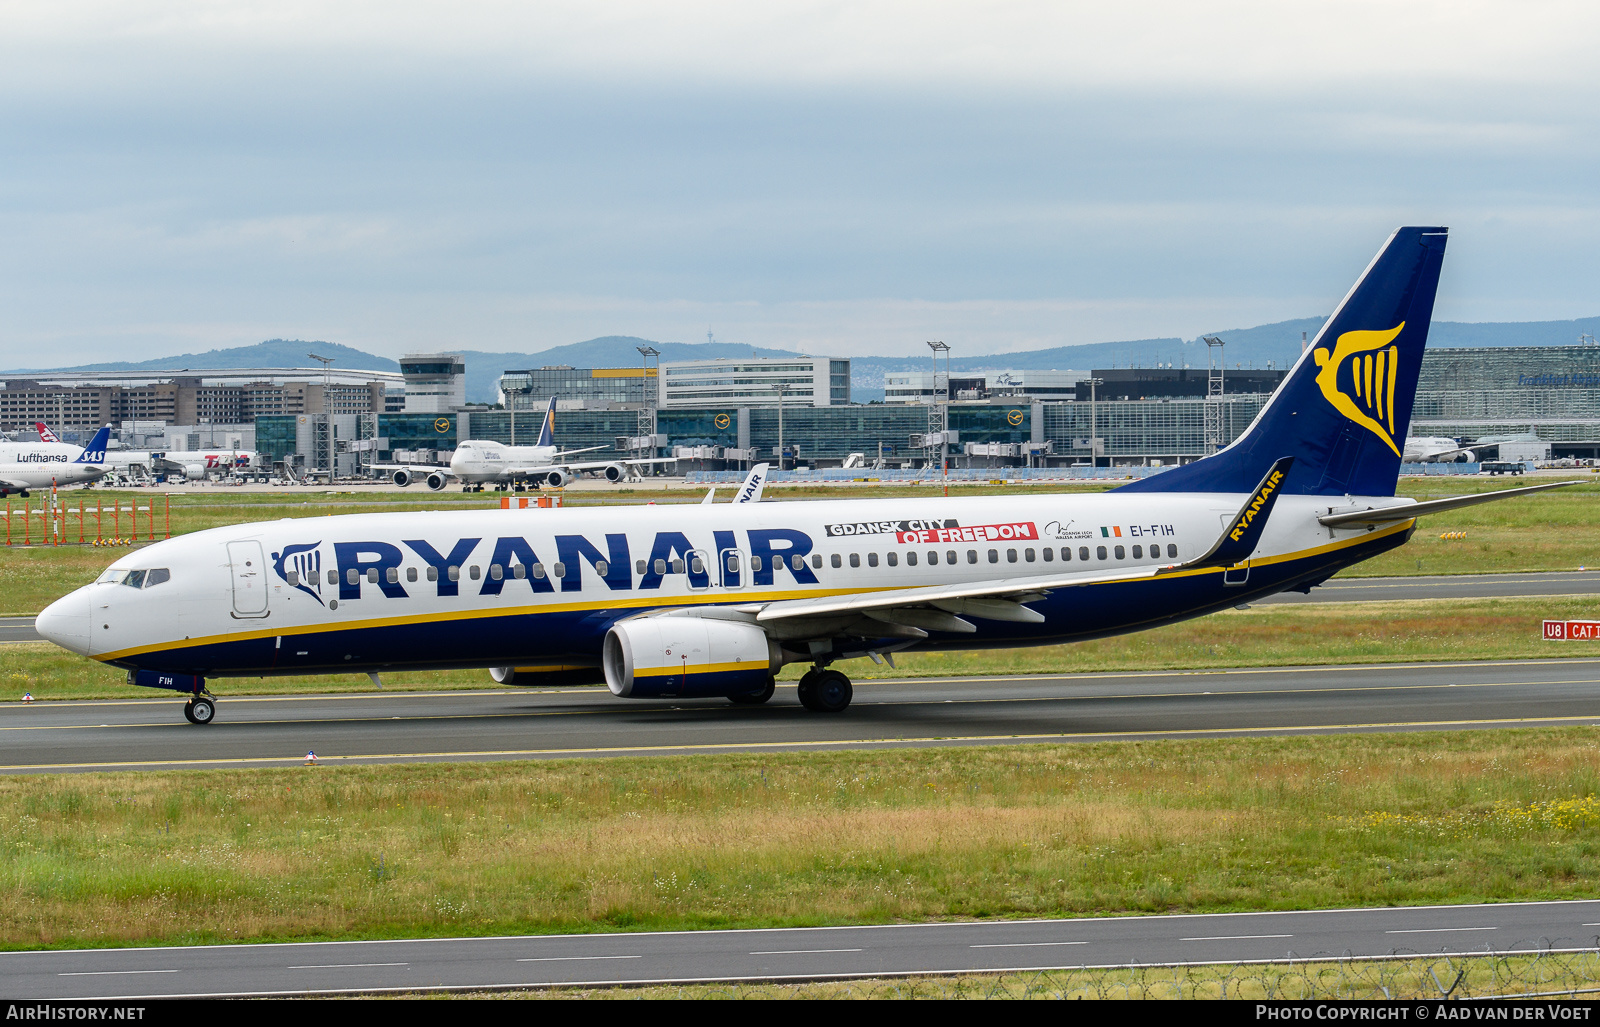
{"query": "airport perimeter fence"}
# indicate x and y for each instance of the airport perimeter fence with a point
(1547, 970)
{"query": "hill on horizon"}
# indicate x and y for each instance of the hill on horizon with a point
(1277, 343)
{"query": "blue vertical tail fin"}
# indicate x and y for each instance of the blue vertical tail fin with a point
(547, 430)
(1343, 410)
(95, 451)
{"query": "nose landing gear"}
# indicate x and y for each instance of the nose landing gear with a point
(825, 691)
(202, 709)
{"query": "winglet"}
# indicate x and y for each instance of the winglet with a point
(547, 430)
(95, 451)
(754, 482)
(1243, 533)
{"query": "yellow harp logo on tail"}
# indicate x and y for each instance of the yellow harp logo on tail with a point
(1365, 392)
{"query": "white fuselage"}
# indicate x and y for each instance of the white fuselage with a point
(39, 465)
(492, 461)
(493, 588)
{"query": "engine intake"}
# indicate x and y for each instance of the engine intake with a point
(436, 481)
(402, 477)
(688, 657)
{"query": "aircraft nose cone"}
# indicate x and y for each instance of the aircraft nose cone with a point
(66, 622)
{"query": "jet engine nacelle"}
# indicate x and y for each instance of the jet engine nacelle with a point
(436, 481)
(615, 472)
(402, 477)
(556, 479)
(194, 472)
(688, 657)
(1467, 456)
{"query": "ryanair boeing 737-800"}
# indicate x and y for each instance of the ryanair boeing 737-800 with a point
(669, 602)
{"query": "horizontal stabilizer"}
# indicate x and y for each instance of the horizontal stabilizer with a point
(1406, 511)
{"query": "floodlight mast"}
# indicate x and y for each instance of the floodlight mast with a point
(941, 406)
(327, 411)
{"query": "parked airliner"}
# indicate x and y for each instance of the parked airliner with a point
(477, 463)
(41, 465)
(673, 602)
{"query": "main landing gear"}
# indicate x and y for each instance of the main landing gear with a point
(201, 709)
(825, 691)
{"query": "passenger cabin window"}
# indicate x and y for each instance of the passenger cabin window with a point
(352, 576)
(872, 559)
(855, 560)
(1048, 554)
(454, 572)
(496, 573)
(1100, 552)
(911, 559)
(1083, 553)
(835, 561)
(433, 574)
(796, 562)
(677, 567)
(475, 572)
(1172, 552)
(393, 574)
(519, 571)
(894, 559)
(603, 568)
(1027, 554)
(333, 577)
(1011, 556)
(950, 557)
(538, 571)
(661, 566)
(638, 566)
(1120, 554)
(755, 563)
(994, 556)
(558, 569)
(294, 578)
(972, 556)
(411, 573)
(372, 575)
(695, 566)
(1138, 552)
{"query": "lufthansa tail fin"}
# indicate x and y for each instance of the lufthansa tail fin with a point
(547, 430)
(1343, 410)
(95, 451)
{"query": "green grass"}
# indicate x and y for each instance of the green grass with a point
(1264, 636)
(799, 839)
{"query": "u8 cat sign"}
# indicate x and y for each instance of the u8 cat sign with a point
(1572, 630)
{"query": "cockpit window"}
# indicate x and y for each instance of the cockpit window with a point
(135, 579)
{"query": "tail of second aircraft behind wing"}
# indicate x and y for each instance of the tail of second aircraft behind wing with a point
(1343, 411)
(547, 430)
(95, 451)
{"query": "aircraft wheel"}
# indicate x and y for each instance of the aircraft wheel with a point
(756, 698)
(829, 692)
(200, 710)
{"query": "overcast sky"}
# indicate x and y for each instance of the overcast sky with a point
(852, 177)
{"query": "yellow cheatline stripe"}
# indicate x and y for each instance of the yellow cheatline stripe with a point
(639, 602)
(816, 744)
(703, 668)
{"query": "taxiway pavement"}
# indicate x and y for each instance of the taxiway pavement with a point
(149, 732)
(796, 953)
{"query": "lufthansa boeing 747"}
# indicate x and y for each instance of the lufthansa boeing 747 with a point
(673, 602)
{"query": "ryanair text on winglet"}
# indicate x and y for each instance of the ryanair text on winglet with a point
(1262, 495)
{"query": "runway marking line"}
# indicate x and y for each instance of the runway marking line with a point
(1026, 944)
(340, 966)
(801, 952)
(569, 959)
(1440, 930)
(113, 973)
(1237, 937)
(743, 746)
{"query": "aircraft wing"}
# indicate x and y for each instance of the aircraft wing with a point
(1406, 511)
(575, 452)
(595, 465)
(13, 483)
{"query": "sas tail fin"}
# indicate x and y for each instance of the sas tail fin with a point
(95, 451)
(1343, 411)
(547, 430)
